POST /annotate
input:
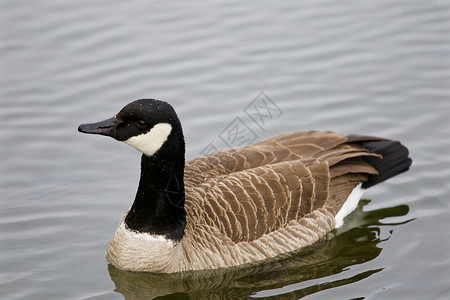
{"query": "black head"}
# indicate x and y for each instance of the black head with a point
(145, 124)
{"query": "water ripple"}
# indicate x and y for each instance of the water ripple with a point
(378, 68)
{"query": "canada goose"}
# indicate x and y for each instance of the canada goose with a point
(240, 205)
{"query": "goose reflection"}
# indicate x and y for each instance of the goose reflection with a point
(354, 243)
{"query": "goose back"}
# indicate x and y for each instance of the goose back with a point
(271, 197)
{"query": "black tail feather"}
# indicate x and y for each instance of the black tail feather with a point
(394, 160)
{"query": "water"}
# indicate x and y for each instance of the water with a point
(371, 67)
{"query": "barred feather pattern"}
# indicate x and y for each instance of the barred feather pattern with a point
(254, 202)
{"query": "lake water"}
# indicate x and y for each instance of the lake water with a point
(368, 67)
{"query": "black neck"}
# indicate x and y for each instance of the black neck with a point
(159, 204)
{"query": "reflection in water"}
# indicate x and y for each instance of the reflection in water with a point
(354, 243)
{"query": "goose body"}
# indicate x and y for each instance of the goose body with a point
(241, 205)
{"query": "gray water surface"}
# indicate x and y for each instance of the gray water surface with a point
(368, 67)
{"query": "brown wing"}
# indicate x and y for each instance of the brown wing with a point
(296, 145)
(254, 190)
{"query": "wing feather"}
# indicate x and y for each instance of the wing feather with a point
(249, 192)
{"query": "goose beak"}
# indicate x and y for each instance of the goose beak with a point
(106, 127)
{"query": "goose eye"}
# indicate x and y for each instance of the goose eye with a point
(141, 125)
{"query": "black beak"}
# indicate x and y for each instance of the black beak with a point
(106, 127)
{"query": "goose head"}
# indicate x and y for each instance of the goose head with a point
(146, 124)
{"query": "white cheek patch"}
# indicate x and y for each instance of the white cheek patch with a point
(150, 142)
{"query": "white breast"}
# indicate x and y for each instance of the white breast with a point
(132, 250)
